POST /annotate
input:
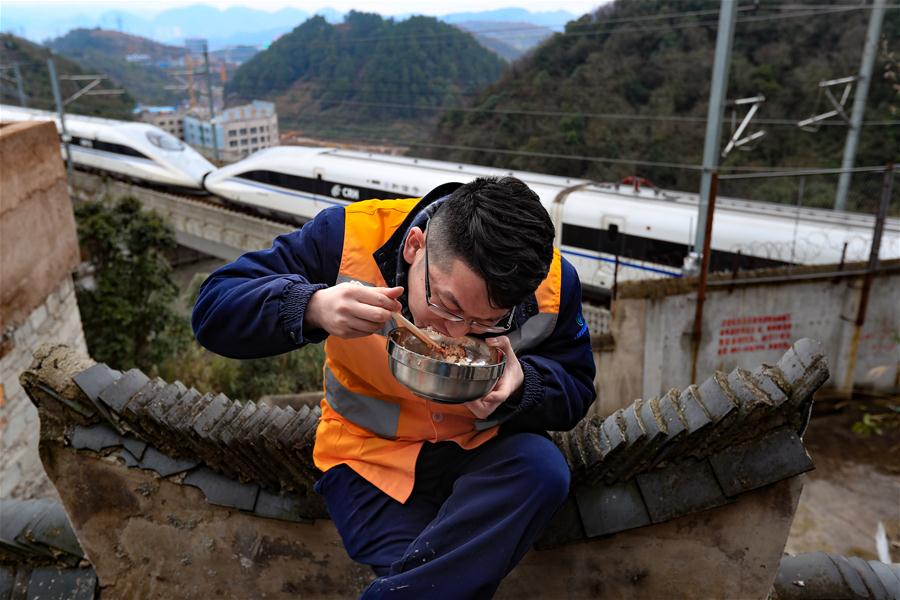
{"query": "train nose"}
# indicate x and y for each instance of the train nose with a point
(203, 180)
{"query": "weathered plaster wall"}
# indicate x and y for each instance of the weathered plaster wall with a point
(149, 537)
(38, 250)
(38, 245)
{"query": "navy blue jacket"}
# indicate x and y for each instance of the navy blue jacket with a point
(254, 307)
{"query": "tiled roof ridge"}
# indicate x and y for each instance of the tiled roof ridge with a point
(699, 421)
(656, 459)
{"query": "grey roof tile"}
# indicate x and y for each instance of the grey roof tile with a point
(222, 491)
(62, 584)
(53, 530)
(870, 578)
(283, 506)
(694, 414)
(165, 465)
(853, 579)
(135, 446)
(608, 509)
(95, 379)
(15, 518)
(750, 465)
(129, 459)
(96, 437)
(679, 489)
(7, 580)
(716, 396)
(117, 396)
(889, 576)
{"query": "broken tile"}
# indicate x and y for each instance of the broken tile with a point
(129, 459)
(221, 490)
(96, 437)
(775, 456)
(134, 445)
(164, 465)
(608, 509)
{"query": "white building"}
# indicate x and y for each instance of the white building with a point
(167, 118)
(239, 131)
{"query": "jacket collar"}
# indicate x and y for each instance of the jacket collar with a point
(386, 257)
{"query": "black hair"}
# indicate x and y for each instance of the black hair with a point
(500, 230)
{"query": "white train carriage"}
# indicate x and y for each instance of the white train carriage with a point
(646, 232)
(130, 150)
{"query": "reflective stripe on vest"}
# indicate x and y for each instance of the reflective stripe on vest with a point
(378, 416)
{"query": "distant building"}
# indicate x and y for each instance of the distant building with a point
(167, 118)
(239, 131)
(195, 46)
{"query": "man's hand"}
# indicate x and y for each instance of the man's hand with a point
(511, 380)
(348, 310)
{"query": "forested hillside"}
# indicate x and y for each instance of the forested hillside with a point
(337, 79)
(32, 61)
(107, 52)
(633, 84)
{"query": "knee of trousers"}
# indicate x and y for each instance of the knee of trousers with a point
(546, 473)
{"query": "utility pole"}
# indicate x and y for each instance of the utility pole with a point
(84, 90)
(212, 109)
(870, 51)
(717, 90)
(54, 82)
(18, 75)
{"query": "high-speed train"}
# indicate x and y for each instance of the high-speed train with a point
(130, 150)
(605, 230)
(641, 231)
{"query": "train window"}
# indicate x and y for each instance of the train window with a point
(108, 147)
(613, 231)
(164, 141)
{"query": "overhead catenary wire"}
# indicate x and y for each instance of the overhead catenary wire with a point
(425, 37)
(611, 116)
(741, 172)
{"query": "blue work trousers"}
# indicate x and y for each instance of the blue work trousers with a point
(472, 515)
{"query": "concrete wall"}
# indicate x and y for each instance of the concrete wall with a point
(38, 250)
(744, 326)
(38, 245)
(149, 537)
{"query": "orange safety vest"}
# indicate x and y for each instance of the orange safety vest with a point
(370, 421)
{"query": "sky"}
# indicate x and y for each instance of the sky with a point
(384, 7)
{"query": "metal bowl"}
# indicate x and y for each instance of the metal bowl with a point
(442, 381)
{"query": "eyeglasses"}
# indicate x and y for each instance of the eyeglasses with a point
(475, 326)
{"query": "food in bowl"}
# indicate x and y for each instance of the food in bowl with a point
(466, 370)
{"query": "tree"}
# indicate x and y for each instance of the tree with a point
(126, 300)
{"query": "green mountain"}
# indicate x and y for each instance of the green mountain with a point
(366, 77)
(32, 62)
(132, 61)
(620, 74)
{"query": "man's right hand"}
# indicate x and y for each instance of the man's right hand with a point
(348, 310)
